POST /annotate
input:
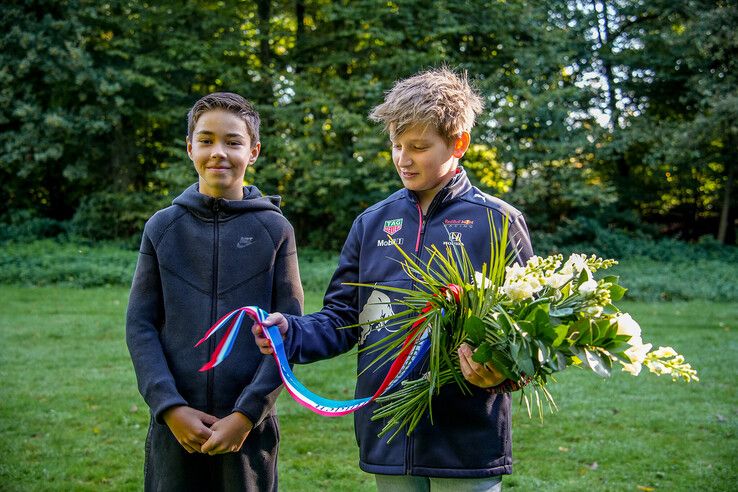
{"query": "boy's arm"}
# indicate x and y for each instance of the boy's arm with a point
(145, 314)
(259, 396)
(520, 238)
(320, 335)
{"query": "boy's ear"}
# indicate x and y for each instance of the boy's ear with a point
(461, 144)
(189, 147)
(254, 153)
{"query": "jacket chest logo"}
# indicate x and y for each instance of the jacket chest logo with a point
(244, 241)
(454, 239)
(392, 226)
(463, 223)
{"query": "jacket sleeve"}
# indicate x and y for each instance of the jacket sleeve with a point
(520, 240)
(321, 335)
(143, 320)
(259, 396)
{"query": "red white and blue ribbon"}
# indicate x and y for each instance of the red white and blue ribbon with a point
(412, 352)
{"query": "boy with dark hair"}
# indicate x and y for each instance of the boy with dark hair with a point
(220, 245)
(468, 445)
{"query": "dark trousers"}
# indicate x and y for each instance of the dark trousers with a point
(168, 467)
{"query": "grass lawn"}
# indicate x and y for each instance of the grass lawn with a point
(71, 417)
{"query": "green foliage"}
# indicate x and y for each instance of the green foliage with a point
(108, 216)
(316, 269)
(26, 225)
(590, 106)
(49, 262)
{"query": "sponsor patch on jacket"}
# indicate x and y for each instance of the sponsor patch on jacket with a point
(390, 241)
(392, 226)
(454, 239)
(458, 222)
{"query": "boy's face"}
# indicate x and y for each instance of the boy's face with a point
(221, 150)
(425, 161)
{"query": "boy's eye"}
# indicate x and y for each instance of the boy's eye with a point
(205, 141)
(420, 147)
(396, 146)
(235, 143)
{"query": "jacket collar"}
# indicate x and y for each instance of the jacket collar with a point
(207, 207)
(458, 185)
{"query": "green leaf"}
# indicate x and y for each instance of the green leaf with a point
(503, 364)
(610, 309)
(561, 313)
(561, 332)
(585, 331)
(524, 359)
(617, 292)
(542, 355)
(600, 365)
(483, 353)
(528, 327)
(525, 363)
(475, 330)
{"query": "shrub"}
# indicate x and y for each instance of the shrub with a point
(107, 216)
(25, 225)
(50, 262)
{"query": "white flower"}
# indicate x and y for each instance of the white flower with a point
(628, 326)
(664, 352)
(636, 354)
(514, 272)
(520, 290)
(556, 280)
(588, 288)
(658, 368)
(482, 281)
(534, 262)
(574, 264)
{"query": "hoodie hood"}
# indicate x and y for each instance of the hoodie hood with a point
(206, 207)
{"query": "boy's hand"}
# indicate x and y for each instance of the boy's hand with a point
(189, 426)
(274, 319)
(228, 435)
(482, 375)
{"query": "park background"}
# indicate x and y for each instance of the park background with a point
(612, 124)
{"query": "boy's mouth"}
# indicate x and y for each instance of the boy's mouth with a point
(219, 167)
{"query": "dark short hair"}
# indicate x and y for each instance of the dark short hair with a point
(227, 101)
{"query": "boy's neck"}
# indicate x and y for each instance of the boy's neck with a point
(425, 197)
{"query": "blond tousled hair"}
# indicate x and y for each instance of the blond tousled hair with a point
(438, 97)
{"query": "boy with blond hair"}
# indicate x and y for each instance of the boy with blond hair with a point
(468, 445)
(220, 245)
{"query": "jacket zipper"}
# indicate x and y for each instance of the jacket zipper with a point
(418, 243)
(213, 304)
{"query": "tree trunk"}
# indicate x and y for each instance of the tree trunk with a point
(725, 214)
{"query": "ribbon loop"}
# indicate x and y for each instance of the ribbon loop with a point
(413, 350)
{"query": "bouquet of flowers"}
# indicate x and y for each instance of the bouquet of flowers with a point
(528, 321)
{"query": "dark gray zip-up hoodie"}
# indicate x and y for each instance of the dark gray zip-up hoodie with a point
(199, 259)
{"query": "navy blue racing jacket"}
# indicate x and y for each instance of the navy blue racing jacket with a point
(471, 434)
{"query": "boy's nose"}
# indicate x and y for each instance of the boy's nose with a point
(217, 151)
(403, 159)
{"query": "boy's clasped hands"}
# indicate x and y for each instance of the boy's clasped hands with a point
(200, 432)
